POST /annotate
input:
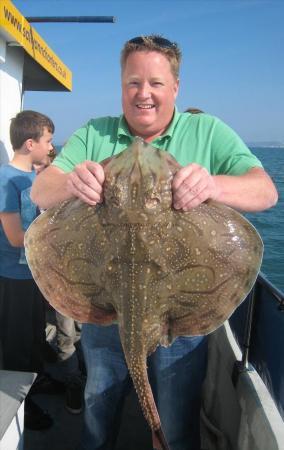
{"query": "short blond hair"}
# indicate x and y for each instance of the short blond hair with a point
(153, 43)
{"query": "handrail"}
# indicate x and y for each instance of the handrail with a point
(277, 293)
(244, 365)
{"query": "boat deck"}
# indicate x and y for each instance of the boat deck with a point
(66, 431)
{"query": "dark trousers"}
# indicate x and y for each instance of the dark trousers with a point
(22, 325)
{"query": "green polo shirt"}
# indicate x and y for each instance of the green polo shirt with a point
(198, 138)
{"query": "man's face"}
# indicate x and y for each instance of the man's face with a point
(40, 149)
(149, 91)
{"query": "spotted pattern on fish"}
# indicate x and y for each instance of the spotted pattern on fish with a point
(158, 272)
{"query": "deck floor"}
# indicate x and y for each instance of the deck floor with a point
(65, 433)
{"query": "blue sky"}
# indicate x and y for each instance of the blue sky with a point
(233, 59)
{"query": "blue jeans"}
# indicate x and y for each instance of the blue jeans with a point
(176, 374)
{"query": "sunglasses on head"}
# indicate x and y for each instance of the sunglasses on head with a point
(160, 41)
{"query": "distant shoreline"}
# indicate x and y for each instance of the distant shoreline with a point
(265, 144)
(276, 147)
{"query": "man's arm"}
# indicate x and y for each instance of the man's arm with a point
(252, 191)
(12, 226)
(53, 186)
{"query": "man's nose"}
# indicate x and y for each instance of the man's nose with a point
(144, 90)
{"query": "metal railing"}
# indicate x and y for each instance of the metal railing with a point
(245, 344)
(277, 293)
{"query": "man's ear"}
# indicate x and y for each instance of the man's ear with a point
(176, 87)
(29, 144)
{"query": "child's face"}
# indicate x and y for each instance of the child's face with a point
(42, 147)
(43, 164)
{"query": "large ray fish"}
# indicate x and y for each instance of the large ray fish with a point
(135, 260)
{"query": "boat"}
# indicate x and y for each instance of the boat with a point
(242, 405)
(26, 63)
(243, 391)
(243, 394)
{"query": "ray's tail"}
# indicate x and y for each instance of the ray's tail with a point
(159, 440)
(139, 375)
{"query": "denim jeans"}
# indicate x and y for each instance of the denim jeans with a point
(176, 374)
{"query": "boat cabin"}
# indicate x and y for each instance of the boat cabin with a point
(27, 63)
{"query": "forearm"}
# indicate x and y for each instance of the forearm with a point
(12, 226)
(53, 186)
(253, 191)
(50, 188)
(17, 240)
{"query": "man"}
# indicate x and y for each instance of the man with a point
(217, 165)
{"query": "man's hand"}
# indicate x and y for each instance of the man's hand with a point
(86, 181)
(191, 186)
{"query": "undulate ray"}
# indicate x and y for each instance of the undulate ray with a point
(159, 273)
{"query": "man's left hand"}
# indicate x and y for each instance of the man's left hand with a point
(191, 186)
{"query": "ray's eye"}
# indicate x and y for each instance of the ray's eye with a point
(115, 195)
(114, 201)
(152, 200)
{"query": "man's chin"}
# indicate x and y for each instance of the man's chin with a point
(144, 123)
(142, 128)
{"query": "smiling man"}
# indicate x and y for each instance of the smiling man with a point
(149, 90)
(216, 165)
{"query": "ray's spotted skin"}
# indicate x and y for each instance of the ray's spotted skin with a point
(159, 273)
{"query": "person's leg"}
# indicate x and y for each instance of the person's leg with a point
(20, 345)
(107, 384)
(2, 284)
(39, 326)
(65, 339)
(68, 367)
(176, 375)
(22, 330)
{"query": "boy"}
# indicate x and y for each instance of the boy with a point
(22, 314)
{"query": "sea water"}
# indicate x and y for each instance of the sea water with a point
(270, 223)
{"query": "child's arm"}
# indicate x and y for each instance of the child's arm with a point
(12, 226)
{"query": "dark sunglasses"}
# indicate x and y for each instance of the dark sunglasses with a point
(160, 41)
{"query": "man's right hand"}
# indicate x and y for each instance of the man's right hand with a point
(86, 182)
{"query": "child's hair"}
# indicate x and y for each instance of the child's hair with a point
(194, 110)
(28, 125)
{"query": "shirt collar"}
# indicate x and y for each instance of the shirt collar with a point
(123, 129)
